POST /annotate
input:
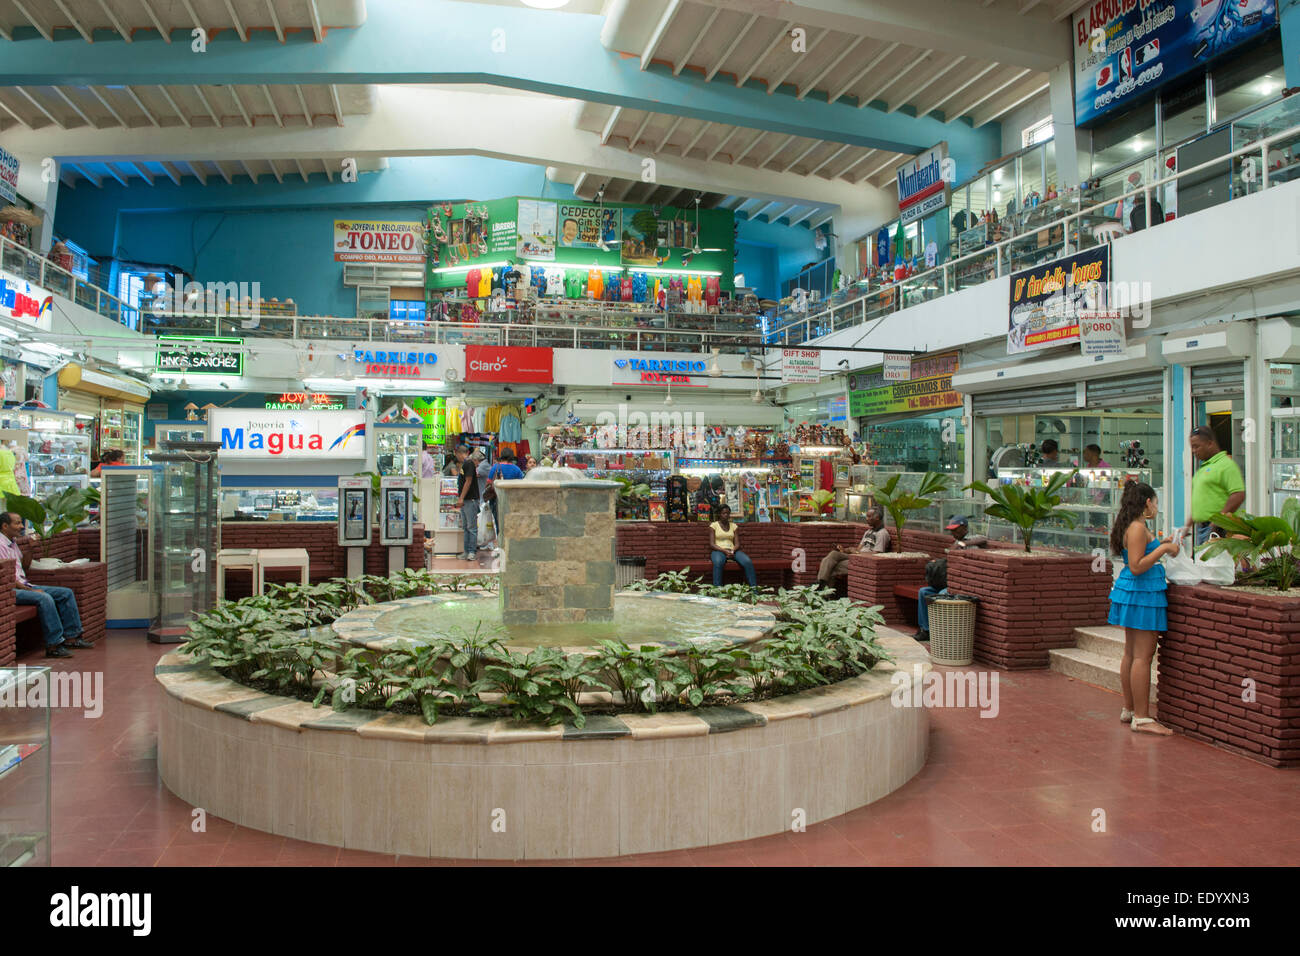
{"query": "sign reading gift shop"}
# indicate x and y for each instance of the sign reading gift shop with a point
(659, 368)
(493, 363)
(23, 302)
(1046, 301)
(356, 241)
(248, 434)
(195, 355)
(802, 366)
(921, 187)
(8, 177)
(1126, 48)
(929, 388)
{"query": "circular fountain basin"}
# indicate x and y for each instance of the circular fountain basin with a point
(640, 619)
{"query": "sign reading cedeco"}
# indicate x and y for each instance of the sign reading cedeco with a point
(504, 363)
(200, 356)
(248, 434)
(684, 370)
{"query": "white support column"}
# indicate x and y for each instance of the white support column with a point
(1073, 163)
(1257, 425)
(47, 205)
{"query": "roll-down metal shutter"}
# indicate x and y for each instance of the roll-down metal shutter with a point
(1218, 381)
(1145, 388)
(1023, 401)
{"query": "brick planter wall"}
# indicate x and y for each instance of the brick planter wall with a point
(89, 582)
(1029, 603)
(88, 543)
(933, 543)
(872, 578)
(1217, 638)
(816, 538)
(8, 641)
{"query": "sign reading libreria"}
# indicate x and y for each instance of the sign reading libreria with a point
(929, 388)
(1126, 48)
(248, 434)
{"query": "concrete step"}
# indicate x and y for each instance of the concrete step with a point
(1105, 641)
(1092, 668)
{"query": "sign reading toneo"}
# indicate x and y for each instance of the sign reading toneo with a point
(248, 434)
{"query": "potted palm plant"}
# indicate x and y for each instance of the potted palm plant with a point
(57, 513)
(1026, 507)
(899, 501)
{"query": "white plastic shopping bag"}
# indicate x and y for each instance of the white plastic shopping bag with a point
(1180, 568)
(1219, 569)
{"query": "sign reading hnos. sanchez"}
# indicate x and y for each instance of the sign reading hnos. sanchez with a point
(248, 434)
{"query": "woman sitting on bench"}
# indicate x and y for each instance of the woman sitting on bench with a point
(723, 539)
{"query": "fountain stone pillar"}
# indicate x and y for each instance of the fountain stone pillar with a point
(558, 556)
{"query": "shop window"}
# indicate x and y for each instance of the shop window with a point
(1184, 113)
(1040, 132)
(406, 311)
(1248, 81)
(1124, 138)
(1003, 189)
(979, 199)
(1031, 176)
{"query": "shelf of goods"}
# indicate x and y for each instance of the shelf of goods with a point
(280, 504)
(1285, 482)
(447, 535)
(649, 466)
(397, 449)
(120, 428)
(25, 767)
(758, 489)
(58, 453)
(1093, 499)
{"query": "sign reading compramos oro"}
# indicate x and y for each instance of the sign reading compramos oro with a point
(928, 389)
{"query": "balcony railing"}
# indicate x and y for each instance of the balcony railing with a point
(1084, 228)
(40, 271)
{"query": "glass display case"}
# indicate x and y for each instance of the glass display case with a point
(1284, 483)
(1093, 499)
(397, 448)
(918, 444)
(447, 538)
(179, 431)
(25, 767)
(280, 504)
(648, 466)
(124, 543)
(58, 452)
(121, 428)
(183, 506)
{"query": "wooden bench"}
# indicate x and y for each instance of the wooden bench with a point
(772, 571)
(910, 592)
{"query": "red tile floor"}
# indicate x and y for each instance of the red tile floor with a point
(1021, 788)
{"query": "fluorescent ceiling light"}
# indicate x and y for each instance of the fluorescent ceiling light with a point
(478, 265)
(545, 4)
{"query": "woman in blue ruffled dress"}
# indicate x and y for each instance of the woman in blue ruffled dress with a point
(1138, 603)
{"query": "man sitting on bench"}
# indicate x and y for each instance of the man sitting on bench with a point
(56, 607)
(875, 539)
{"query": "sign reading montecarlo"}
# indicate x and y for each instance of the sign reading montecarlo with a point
(928, 389)
(196, 355)
(921, 187)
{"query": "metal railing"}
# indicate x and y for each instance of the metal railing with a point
(1082, 229)
(38, 270)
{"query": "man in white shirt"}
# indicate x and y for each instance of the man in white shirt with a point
(56, 607)
(428, 466)
(874, 540)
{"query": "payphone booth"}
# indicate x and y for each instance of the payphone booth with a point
(355, 515)
(396, 493)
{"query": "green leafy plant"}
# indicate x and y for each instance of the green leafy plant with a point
(55, 514)
(674, 582)
(898, 502)
(1026, 507)
(740, 593)
(529, 687)
(1268, 545)
(711, 669)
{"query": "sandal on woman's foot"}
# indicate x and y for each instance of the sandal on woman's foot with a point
(1125, 715)
(1158, 730)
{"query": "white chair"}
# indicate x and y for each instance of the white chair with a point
(1107, 231)
(280, 558)
(239, 558)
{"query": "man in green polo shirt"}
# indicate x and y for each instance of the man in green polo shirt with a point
(1217, 486)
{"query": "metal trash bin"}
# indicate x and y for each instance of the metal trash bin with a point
(952, 629)
(629, 570)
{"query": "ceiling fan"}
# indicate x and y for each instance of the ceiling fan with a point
(696, 250)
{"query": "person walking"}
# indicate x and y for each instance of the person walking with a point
(468, 494)
(724, 540)
(1138, 603)
(507, 469)
(1217, 486)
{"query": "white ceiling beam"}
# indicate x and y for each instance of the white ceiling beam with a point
(862, 73)
(1013, 77)
(158, 24)
(608, 129)
(216, 120)
(334, 98)
(317, 30)
(624, 187)
(196, 172)
(782, 34)
(42, 29)
(144, 109)
(812, 84)
(820, 222)
(1027, 6)
(663, 144)
(578, 184)
(777, 216)
(891, 161)
(690, 50)
(175, 106)
(816, 145)
(636, 137)
(894, 78)
(929, 81)
(795, 60)
(8, 109)
(279, 120)
(1065, 9)
(659, 32)
(275, 19)
(142, 171)
(77, 24)
(239, 105)
(279, 177)
(723, 142)
(302, 98)
(108, 106)
(230, 180)
(704, 128)
(844, 173)
(828, 160)
(172, 172)
(120, 27)
(67, 178)
(763, 208)
(329, 173)
(301, 172)
(746, 151)
(1015, 96)
(731, 47)
(234, 18)
(81, 170)
(112, 171)
(77, 109)
(6, 33)
(961, 87)
(777, 152)
(40, 106)
(195, 22)
(251, 175)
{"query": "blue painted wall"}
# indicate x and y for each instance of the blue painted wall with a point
(771, 253)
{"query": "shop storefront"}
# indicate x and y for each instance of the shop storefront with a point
(112, 403)
(912, 422)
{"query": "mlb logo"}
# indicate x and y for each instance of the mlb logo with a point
(1105, 76)
(1148, 52)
